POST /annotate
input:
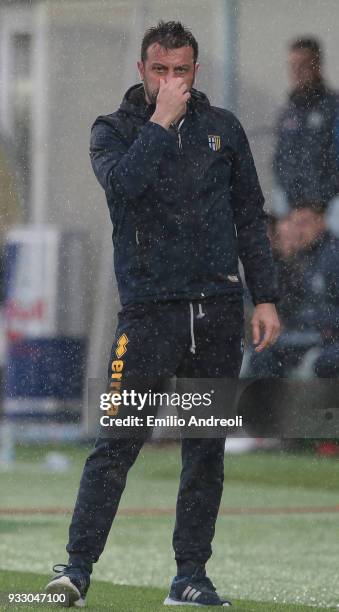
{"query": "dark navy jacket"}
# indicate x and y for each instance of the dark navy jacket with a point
(306, 161)
(316, 300)
(184, 203)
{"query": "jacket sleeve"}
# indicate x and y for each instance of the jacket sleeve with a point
(123, 169)
(336, 135)
(277, 161)
(250, 222)
(321, 309)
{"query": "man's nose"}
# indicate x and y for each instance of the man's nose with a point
(171, 75)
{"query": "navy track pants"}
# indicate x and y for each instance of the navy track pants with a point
(179, 338)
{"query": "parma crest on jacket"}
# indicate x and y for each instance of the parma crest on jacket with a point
(214, 142)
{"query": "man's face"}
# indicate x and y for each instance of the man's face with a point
(166, 64)
(303, 67)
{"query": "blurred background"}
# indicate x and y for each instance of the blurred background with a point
(63, 63)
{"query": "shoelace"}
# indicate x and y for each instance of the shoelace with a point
(65, 569)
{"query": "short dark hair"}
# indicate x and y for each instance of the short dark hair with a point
(170, 35)
(310, 43)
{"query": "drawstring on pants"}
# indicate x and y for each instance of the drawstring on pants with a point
(200, 315)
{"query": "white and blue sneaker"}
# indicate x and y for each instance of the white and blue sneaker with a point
(194, 590)
(70, 581)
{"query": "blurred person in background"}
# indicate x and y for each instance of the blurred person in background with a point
(307, 257)
(10, 214)
(306, 159)
(10, 209)
(185, 203)
(284, 235)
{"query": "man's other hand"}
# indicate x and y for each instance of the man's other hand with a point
(265, 326)
(171, 102)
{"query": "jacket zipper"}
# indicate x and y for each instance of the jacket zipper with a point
(177, 129)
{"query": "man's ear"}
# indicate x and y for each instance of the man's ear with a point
(141, 70)
(196, 68)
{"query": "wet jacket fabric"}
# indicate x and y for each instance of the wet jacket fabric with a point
(306, 160)
(184, 203)
(320, 307)
(314, 284)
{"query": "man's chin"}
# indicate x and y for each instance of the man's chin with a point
(153, 97)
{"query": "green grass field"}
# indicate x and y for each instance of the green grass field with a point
(276, 545)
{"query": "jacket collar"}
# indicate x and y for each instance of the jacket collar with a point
(309, 97)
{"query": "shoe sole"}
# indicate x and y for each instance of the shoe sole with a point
(64, 586)
(175, 602)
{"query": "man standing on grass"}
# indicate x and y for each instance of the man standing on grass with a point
(185, 203)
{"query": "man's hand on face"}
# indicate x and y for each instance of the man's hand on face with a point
(171, 102)
(265, 326)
